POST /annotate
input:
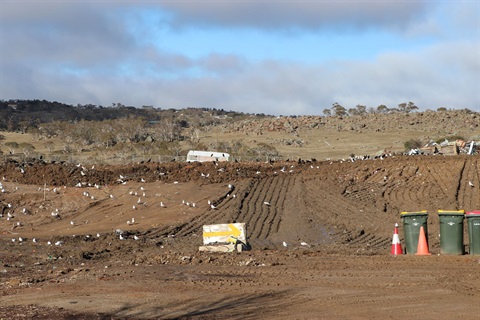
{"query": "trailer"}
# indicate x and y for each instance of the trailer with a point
(205, 156)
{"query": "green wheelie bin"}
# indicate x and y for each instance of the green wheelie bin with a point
(412, 221)
(451, 231)
(473, 221)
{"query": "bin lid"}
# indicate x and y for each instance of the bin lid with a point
(475, 213)
(452, 212)
(414, 213)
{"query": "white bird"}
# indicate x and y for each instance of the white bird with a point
(24, 210)
(212, 206)
(193, 204)
(58, 243)
(139, 200)
(266, 203)
(304, 243)
(121, 237)
(82, 173)
(72, 222)
(122, 177)
(230, 186)
(111, 196)
(34, 240)
(470, 184)
(13, 239)
(98, 235)
(49, 243)
(134, 208)
(285, 244)
(142, 180)
(141, 188)
(209, 202)
(136, 237)
(131, 192)
(162, 205)
(92, 197)
(20, 239)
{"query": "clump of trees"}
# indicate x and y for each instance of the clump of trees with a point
(340, 111)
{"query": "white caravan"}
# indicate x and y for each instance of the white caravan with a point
(204, 156)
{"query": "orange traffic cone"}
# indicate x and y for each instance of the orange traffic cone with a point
(422, 249)
(396, 246)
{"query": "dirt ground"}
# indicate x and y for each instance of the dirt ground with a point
(121, 242)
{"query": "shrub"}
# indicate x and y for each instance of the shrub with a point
(450, 138)
(412, 144)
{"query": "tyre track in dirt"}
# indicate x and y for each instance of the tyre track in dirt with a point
(275, 209)
(468, 185)
(263, 206)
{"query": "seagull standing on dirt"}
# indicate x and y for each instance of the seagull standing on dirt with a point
(266, 203)
(285, 244)
(470, 184)
(212, 206)
(162, 205)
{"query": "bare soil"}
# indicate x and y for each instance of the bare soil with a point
(86, 263)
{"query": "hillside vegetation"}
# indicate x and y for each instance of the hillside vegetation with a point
(122, 134)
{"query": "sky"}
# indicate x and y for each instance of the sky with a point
(294, 57)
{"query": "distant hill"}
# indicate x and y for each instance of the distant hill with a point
(127, 133)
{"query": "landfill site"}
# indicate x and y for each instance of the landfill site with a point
(303, 239)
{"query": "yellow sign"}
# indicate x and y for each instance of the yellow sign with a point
(222, 233)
